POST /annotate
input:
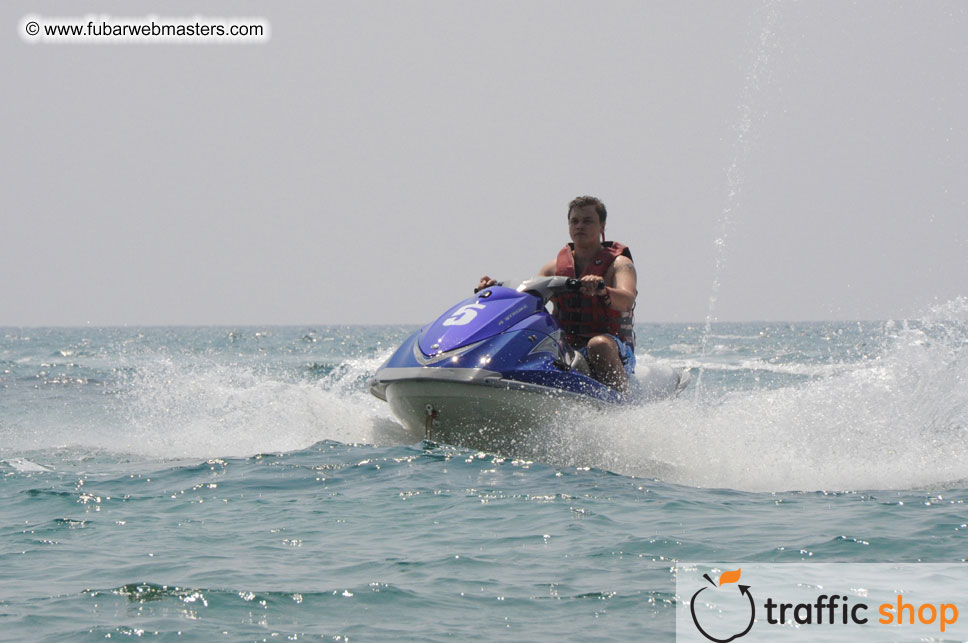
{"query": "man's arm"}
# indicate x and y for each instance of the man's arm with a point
(623, 280)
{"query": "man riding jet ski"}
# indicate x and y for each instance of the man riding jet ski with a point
(497, 366)
(597, 320)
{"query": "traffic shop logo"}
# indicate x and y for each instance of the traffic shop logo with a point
(823, 610)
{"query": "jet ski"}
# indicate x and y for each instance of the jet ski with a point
(496, 366)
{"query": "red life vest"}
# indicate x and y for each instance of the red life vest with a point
(581, 316)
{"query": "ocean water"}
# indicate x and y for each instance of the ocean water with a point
(241, 484)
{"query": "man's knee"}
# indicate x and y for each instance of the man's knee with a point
(602, 346)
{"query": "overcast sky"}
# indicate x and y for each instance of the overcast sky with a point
(373, 159)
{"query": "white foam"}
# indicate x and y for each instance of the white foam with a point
(790, 368)
(897, 421)
(25, 466)
(172, 409)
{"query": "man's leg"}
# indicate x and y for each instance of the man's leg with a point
(606, 363)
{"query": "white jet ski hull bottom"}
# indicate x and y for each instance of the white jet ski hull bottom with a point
(478, 409)
(499, 416)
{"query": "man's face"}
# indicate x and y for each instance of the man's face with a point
(583, 224)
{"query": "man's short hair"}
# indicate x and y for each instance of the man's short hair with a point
(582, 201)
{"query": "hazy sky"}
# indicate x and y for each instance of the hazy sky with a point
(373, 159)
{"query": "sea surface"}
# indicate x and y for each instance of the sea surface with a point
(242, 484)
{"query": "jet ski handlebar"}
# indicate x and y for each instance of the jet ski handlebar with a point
(548, 287)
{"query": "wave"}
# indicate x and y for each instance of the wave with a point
(215, 410)
(174, 407)
(896, 420)
(789, 368)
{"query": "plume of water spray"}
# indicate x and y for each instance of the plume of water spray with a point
(749, 109)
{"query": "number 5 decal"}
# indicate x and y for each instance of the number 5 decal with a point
(463, 315)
